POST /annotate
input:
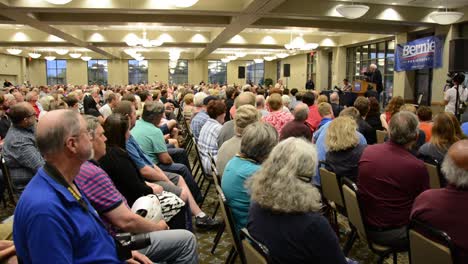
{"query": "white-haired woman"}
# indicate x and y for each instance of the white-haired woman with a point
(257, 141)
(344, 150)
(284, 214)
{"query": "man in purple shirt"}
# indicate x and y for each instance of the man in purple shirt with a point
(389, 180)
(446, 208)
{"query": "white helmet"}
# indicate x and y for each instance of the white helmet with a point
(148, 207)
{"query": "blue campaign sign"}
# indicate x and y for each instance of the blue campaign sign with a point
(419, 54)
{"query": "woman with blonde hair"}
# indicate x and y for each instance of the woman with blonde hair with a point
(285, 208)
(445, 131)
(393, 107)
(343, 148)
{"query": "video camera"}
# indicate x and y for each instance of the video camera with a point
(126, 242)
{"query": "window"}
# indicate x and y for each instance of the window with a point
(56, 72)
(179, 74)
(278, 71)
(217, 72)
(380, 53)
(255, 72)
(137, 71)
(311, 62)
(97, 72)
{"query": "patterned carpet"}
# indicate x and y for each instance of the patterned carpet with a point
(359, 252)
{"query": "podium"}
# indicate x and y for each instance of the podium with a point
(360, 87)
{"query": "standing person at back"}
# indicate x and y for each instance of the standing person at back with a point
(387, 191)
(455, 96)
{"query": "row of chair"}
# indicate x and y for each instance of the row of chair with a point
(427, 245)
(9, 190)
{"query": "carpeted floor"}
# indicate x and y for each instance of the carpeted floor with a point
(359, 252)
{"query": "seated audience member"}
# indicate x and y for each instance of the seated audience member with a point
(46, 103)
(198, 105)
(19, 97)
(335, 103)
(170, 182)
(322, 99)
(314, 117)
(118, 165)
(257, 142)
(231, 94)
(72, 103)
(362, 105)
(228, 131)
(91, 102)
(5, 121)
(111, 102)
(260, 100)
(286, 100)
(285, 211)
(54, 221)
(373, 116)
(425, 121)
(446, 208)
(171, 246)
(343, 148)
(321, 138)
(188, 106)
(199, 120)
(421, 135)
(19, 148)
(393, 107)
(32, 98)
(208, 139)
(277, 117)
(326, 112)
(389, 180)
(298, 126)
(445, 131)
(145, 97)
(293, 104)
(151, 141)
(245, 115)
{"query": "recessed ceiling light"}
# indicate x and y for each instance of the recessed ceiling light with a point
(58, 2)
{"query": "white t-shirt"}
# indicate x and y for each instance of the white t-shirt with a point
(451, 97)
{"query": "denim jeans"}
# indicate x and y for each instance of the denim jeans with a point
(172, 246)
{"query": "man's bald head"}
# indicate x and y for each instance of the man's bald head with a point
(455, 165)
(301, 112)
(244, 99)
(53, 129)
(334, 98)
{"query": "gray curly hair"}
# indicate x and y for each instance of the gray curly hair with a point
(281, 185)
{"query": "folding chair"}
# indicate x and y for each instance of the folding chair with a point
(429, 245)
(236, 249)
(331, 191)
(254, 251)
(8, 183)
(356, 221)
(381, 134)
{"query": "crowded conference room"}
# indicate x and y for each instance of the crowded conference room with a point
(221, 131)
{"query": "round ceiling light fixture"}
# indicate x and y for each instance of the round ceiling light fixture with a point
(446, 18)
(34, 55)
(184, 3)
(61, 51)
(14, 51)
(58, 2)
(352, 11)
(75, 55)
(49, 58)
(86, 58)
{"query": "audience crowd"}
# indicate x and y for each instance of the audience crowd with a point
(81, 157)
